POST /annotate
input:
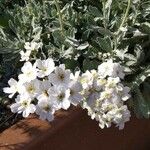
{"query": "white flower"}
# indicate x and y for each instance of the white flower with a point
(123, 92)
(106, 95)
(29, 72)
(14, 87)
(112, 82)
(23, 105)
(125, 116)
(45, 67)
(118, 71)
(25, 55)
(44, 87)
(32, 88)
(106, 69)
(61, 76)
(91, 100)
(86, 79)
(31, 46)
(46, 109)
(110, 69)
(119, 116)
(61, 95)
(75, 95)
(76, 76)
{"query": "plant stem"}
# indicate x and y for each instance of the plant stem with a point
(121, 25)
(104, 15)
(125, 16)
(60, 16)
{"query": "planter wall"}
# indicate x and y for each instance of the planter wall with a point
(74, 130)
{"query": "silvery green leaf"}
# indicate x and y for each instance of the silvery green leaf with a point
(67, 53)
(37, 33)
(108, 4)
(141, 104)
(127, 70)
(94, 11)
(121, 52)
(83, 46)
(8, 50)
(146, 27)
(86, 34)
(131, 63)
(105, 32)
(130, 57)
(105, 44)
(139, 53)
(142, 76)
(90, 64)
(72, 41)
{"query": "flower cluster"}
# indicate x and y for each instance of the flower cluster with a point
(44, 88)
(104, 94)
(29, 47)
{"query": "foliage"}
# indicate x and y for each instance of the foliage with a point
(81, 34)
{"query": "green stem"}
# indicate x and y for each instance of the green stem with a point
(104, 15)
(60, 17)
(122, 23)
(125, 16)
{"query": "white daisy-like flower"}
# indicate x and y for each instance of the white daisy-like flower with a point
(75, 93)
(60, 76)
(106, 69)
(14, 87)
(44, 87)
(31, 46)
(61, 95)
(29, 72)
(23, 105)
(32, 88)
(45, 67)
(46, 109)
(111, 69)
(25, 55)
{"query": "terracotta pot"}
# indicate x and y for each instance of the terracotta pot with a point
(74, 130)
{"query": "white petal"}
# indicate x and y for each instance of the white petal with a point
(14, 107)
(8, 90)
(12, 82)
(50, 117)
(32, 108)
(65, 104)
(26, 113)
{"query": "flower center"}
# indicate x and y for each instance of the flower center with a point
(29, 73)
(61, 96)
(31, 89)
(44, 69)
(46, 93)
(47, 108)
(61, 77)
(25, 103)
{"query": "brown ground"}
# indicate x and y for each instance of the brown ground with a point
(74, 130)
